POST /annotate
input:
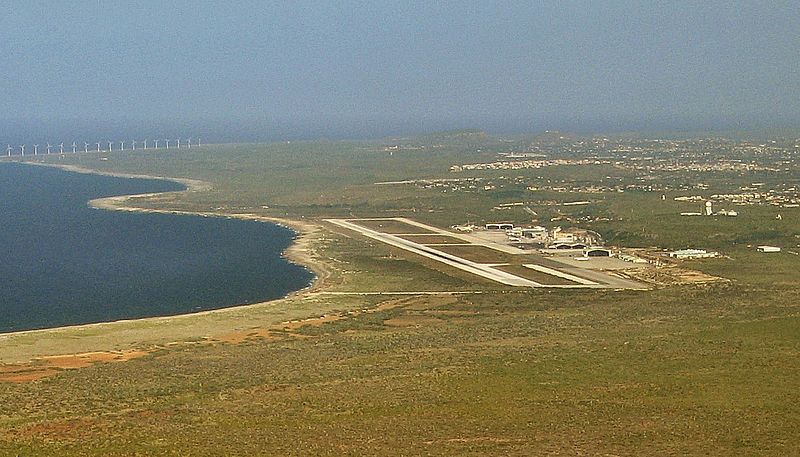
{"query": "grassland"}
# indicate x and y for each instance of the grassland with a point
(484, 370)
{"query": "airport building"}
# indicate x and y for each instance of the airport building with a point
(531, 234)
(566, 245)
(499, 226)
(692, 254)
(631, 258)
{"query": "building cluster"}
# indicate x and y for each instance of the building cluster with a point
(786, 200)
(634, 148)
(655, 163)
(600, 188)
(524, 164)
(693, 254)
(703, 254)
(707, 209)
(703, 167)
(555, 238)
(466, 184)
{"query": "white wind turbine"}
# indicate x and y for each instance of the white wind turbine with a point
(74, 145)
(35, 149)
(8, 150)
(98, 147)
(22, 149)
(121, 145)
(61, 148)
(145, 144)
(85, 147)
(167, 143)
(156, 142)
(134, 145)
(48, 148)
(109, 146)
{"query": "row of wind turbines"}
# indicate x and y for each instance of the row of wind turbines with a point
(154, 145)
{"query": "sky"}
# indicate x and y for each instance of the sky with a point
(262, 70)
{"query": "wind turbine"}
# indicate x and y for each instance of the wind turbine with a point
(73, 147)
(134, 145)
(167, 142)
(121, 145)
(188, 143)
(156, 142)
(35, 149)
(98, 147)
(48, 148)
(85, 147)
(61, 148)
(9, 150)
(145, 144)
(22, 149)
(179, 143)
(109, 146)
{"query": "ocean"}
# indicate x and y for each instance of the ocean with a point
(64, 263)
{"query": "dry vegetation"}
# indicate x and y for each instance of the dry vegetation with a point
(686, 369)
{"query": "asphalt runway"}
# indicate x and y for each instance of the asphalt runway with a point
(584, 278)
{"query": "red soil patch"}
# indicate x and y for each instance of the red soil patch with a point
(50, 365)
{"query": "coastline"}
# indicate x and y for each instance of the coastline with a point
(297, 252)
(192, 185)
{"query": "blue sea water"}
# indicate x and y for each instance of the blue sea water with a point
(64, 263)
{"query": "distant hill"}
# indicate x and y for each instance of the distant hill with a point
(464, 134)
(554, 136)
(456, 138)
(445, 136)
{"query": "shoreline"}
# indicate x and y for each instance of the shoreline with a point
(296, 252)
(192, 185)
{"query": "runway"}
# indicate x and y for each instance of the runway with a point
(595, 280)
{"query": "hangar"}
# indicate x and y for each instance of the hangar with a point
(499, 226)
(597, 252)
(567, 246)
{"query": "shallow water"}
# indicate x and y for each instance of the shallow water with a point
(63, 263)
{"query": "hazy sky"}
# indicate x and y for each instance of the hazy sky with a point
(346, 68)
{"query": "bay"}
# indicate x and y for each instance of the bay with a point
(64, 263)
